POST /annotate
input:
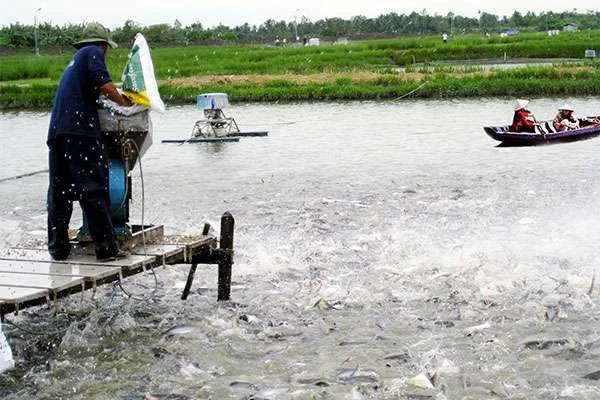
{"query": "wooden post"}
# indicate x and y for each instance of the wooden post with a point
(226, 260)
(190, 279)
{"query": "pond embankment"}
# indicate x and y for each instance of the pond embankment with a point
(418, 67)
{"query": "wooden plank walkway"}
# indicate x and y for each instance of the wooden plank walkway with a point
(29, 276)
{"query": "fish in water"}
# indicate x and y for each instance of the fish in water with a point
(421, 381)
(314, 382)
(593, 375)
(551, 312)
(159, 352)
(243, 384)
(178, 331)
(357, 375)
(471, 331)
(544, 344)
(158, 397)
(323, 304)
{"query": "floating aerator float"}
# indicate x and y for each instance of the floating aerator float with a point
(216, 126)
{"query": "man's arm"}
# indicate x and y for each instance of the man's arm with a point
(110, 90)
(529, 120)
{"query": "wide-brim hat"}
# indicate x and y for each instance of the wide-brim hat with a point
(520, 104)
(565, 107)
(95, 33)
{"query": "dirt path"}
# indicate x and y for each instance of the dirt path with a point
(300, 79)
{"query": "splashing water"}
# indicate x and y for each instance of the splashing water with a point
(377, 250)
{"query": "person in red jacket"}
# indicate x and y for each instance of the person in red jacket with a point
(523, 120)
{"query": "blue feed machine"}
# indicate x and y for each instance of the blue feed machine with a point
(126, 138)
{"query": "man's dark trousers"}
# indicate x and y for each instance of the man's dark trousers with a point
(78, 172)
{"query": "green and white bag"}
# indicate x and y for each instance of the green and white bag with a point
(139, 82)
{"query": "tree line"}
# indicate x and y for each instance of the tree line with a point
(358, 27)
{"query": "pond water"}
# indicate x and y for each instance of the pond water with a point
(375, 241)
(487, 65)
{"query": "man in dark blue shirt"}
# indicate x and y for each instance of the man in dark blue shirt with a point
(78, 165)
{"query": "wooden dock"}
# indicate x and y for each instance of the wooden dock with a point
(29, 276)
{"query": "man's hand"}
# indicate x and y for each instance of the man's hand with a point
(110, 90)
(127, 101)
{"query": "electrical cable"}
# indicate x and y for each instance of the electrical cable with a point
(412, 91)
(119, 283)
(45, 332)
(41, 171)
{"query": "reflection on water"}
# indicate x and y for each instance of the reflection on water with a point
(370, 239)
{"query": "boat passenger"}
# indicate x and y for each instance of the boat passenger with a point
(565, 120)
(523, 120)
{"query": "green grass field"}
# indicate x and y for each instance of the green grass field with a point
(28, 81)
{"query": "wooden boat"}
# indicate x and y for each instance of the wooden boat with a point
(546, 135)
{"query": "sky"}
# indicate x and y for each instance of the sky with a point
(114, 13)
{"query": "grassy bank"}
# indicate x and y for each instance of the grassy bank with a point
(361, 70)
(531, 81)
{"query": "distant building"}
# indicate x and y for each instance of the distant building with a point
(590, 53)
(570, 28)
(313, 42)
(342, 40)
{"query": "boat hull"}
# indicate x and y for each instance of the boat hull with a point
(507, 138)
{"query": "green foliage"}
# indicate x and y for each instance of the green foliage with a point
(389, 25)
(372, 55)
(23, 36)
(532, 81)
(279, 83)
(425, 55)
(18, 96)
(30, 66)
(343, 81)
(387, 80)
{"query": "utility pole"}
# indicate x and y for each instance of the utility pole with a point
(296, 24)
(35, 35)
